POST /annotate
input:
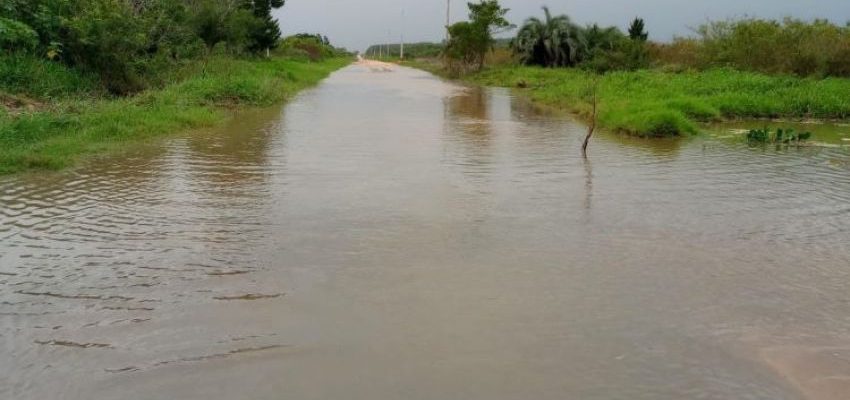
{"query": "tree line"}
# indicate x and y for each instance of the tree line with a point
(125, 41)
(790, 46)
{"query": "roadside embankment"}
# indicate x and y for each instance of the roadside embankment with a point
(55, 132)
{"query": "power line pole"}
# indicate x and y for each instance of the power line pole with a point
(401, 52)
(448, 18)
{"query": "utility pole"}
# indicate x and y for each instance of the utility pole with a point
(448, 18)
(401, 52)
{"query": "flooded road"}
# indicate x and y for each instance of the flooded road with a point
(388, 235)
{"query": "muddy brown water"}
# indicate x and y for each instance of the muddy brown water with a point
(395, 236)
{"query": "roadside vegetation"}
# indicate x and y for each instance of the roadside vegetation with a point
(736, 69)
(79, 77)
(652, 102)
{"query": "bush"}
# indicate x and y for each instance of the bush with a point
(791, 46)
(307, 46)
(627, 55)
(105, 38)
(16, 35)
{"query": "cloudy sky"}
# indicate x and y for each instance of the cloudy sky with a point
(356, 24)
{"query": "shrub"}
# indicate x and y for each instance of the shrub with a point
(15, 35)
(627, 55)
(791, 46)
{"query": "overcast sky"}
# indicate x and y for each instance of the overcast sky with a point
(356, 24)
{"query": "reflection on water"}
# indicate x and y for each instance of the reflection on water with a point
(395, 236)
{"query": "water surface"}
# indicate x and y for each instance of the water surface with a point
(394, 236)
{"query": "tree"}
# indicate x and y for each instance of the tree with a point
(209, 21)
(470, 41)
(45, 17)
(264, 34)
(636, 30)
(104, 36)
(551, 42)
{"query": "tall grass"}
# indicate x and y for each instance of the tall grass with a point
(71, 128)
(41, 78)
(657, 103)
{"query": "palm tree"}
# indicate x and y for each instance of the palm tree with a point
(552, 42)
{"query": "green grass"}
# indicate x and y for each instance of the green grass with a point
(75, 126)
(41, 78)
(655, 103)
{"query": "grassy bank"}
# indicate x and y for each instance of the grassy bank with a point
(67, 117)
(657, 103)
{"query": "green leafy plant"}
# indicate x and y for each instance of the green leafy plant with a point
(15, 35)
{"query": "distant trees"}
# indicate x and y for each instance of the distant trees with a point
(556, 41)
(791, 46)
(469, 41)
(788, 46)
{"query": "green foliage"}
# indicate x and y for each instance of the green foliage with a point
(657, 103)
(104, 37)
(15, 35)
(791, 46)
(132, 45)
(470, 41)
(551, 42)
(43, 16)
(313, 47)
(602, 39)
(779, 136)
(43, 79)
(627, 55)
(637, 30)
(263, 32)
(557, 42)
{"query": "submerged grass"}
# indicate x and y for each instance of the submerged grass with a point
(656, 103)
(67, 128)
